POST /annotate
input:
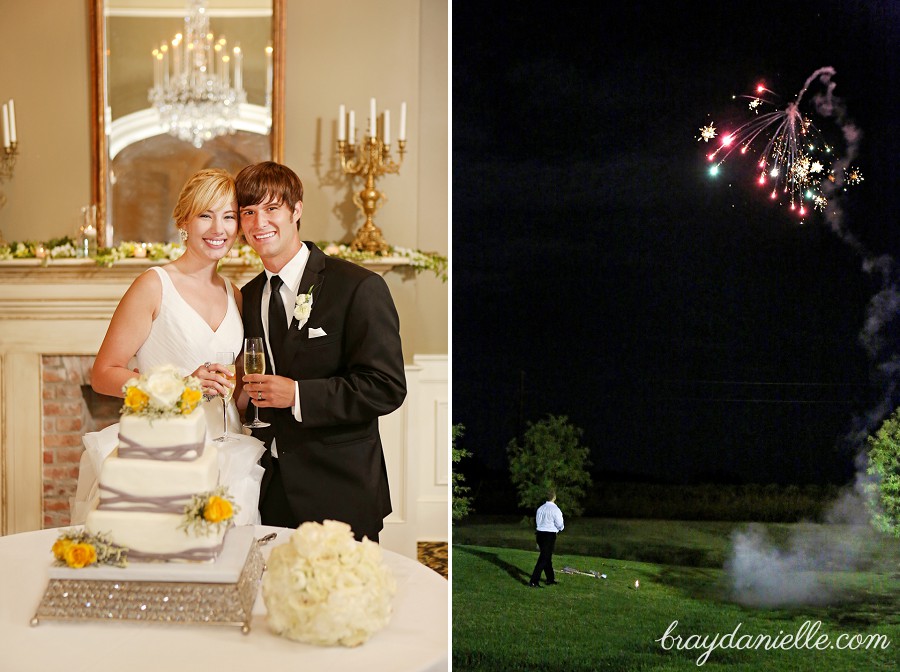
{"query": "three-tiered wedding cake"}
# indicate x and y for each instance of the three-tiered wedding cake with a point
(159, 494)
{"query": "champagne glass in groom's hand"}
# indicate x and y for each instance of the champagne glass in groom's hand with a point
(254, 362)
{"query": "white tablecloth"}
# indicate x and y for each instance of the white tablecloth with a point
(416, 639)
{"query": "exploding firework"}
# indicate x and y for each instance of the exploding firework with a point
(793, 161)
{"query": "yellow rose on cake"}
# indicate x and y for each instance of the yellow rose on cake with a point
(208, 512)
(189, 400)
(80, 555)
(135, 399)
(59, 548)
(77, 549)
(326, 588)
(217, 509)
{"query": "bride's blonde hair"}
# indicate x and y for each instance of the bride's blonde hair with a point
(204, 190)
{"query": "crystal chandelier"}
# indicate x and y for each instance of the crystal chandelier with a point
(193, 91)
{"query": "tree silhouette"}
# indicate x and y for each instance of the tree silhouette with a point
(550, 457)
(884, 463)
(462, 504)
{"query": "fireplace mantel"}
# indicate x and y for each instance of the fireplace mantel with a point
(72, 289)
(24, 271)
(65, 289)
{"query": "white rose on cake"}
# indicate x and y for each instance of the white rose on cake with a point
(161, 392)
(164, 386)
(326, 588)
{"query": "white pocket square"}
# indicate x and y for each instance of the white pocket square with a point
(316, 332)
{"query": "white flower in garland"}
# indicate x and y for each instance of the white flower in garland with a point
(326, 588)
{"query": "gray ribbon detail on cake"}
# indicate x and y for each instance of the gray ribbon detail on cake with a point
(166, 504)
(185, 452)
(193, 554)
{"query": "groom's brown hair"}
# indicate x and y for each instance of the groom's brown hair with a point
(266, 181)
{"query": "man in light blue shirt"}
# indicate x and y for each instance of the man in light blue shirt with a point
(549, 521)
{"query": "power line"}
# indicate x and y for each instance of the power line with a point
(768, 383)
(756, 400)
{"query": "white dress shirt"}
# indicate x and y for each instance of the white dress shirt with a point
(291, 274)
(549, 518)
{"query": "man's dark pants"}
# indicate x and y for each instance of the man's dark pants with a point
(546, 541)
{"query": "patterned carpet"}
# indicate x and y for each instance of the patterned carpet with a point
(433, 554)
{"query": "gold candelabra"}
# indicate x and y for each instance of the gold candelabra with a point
(370, 159)
(7, 163)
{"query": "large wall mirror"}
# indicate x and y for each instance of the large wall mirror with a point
(178, 85)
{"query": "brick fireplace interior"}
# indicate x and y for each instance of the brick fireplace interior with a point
(70, 409)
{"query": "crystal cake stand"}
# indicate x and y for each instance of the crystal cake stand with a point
(219, 593)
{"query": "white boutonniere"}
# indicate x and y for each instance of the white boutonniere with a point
(303, 307)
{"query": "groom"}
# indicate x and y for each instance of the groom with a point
(334, 365)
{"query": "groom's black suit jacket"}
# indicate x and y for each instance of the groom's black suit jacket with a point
(332, 462)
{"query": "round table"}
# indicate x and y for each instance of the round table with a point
(416, 639)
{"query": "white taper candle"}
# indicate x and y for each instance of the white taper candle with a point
(402, 134)
(5, 125)
(238, 68)
(164, 50)
(342, 123)
(12, 121)
(372, 117)
(387, 127)
(269, 75)
(176, 57)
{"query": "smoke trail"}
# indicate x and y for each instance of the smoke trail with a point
(762, 573)
(766, 574)
(885, 305)
(883, 308)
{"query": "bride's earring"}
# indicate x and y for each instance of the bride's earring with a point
(184, 235)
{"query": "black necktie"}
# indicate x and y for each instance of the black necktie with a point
(277, 322)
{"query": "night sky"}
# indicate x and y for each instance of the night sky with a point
(693, 329)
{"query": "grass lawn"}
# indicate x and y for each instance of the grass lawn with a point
(587, 623)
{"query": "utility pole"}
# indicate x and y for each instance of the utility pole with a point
(521, 431)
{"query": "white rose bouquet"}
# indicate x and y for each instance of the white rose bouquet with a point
(326, 588)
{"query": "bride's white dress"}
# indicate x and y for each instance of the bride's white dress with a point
(180, 337)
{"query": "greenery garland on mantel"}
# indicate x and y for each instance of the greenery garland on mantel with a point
(67, 248)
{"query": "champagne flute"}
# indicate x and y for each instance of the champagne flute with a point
(254, 362)
(227, 359)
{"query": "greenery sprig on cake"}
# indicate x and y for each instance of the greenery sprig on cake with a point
(77, 549)
(160, 393)
(208, 511)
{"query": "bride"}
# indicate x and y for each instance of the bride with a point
(182, 314)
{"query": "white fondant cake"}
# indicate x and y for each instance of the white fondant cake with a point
(164, 432)
(155, 535)
(145, 485)
(145, 479)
